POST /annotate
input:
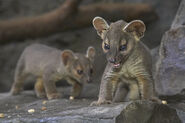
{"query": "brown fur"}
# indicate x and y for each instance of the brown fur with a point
(39, 88)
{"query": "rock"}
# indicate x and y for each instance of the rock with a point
(170, 69)
(170, 77)
(180, 16)
(181, 115)
(155, 57)
(15, 109)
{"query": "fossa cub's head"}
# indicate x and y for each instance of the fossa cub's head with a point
(79, 66)
(119, 38)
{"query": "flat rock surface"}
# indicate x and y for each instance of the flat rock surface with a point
(15, 109)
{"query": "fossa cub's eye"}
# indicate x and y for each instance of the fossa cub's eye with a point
(106, 46)
(80, 72)
(122, 47)
(91, 71)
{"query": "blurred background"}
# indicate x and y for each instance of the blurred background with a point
(71, 28)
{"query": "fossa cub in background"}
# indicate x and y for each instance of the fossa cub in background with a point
(49, 65)
(128, 74)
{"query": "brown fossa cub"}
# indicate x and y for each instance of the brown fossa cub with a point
(128, 74)
(49, 65)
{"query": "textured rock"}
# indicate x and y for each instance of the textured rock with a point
(170, 77)
(180, 16)
(16, 109)
(155, 57)
(170, 71)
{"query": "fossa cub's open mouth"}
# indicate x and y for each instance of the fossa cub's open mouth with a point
(117, 65)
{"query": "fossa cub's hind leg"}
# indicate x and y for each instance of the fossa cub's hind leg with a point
(39, 88)
(134, 93)
(121, 92)
(50, 87)
(19, 77)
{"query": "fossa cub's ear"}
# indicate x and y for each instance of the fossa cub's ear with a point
(100, 25)
(136, 28)
(67, 56)
(91, 53)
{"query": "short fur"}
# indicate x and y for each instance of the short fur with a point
(128, 74)
(49, 65)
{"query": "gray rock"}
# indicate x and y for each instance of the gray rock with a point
(170, 77)
(180, 108)
(170, 69)
(78, 111)
(180, 16)
(155, 57)
(181, 115)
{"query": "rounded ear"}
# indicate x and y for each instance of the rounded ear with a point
(100, 25)
(136, 27)
(67, 56)
(91, 53)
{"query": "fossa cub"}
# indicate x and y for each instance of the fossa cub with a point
(49, 65)
(128, 74)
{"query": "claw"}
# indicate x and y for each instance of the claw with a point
(54, 96)
(155, 99)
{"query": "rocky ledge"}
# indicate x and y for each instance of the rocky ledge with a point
(27, 108)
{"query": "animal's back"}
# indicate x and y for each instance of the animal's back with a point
(37, 57)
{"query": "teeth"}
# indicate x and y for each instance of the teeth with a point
(116, 65)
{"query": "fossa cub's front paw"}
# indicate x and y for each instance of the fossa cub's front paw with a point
(157, 100)
(41, 95)
(54, 96)
(97, 103)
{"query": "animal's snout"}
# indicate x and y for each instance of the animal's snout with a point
(112, 60)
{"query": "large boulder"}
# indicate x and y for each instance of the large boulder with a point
(170, 72)
(15, 109)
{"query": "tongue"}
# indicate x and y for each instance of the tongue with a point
(116, 65)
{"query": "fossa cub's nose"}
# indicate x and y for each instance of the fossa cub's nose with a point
(112, 60)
